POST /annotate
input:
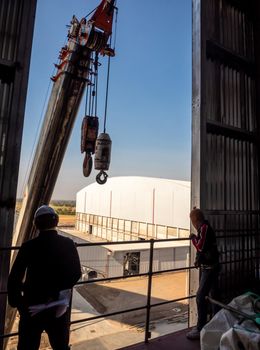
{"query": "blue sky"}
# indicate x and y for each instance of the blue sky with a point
(149, 107)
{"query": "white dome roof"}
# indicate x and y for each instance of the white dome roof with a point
(143, 199)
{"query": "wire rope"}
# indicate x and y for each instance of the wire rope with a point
(96, 82)
(90, 86)
(115, 36)
(107, 86)
(93, 90)
(108, 68)
(86, 103)
(90, 12)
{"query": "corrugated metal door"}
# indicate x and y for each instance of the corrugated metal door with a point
(225, 146)
(16, 30)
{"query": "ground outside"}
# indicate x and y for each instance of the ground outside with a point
(129, 328)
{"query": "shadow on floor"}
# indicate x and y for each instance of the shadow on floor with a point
(174, 341)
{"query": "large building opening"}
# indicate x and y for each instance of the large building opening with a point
(225, 144)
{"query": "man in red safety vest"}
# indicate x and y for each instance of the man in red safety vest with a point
(207, 260)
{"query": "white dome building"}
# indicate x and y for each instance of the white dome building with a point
(129, 209)
(153, 207)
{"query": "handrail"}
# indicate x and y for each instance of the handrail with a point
(134, 242)
(149, 291)
(150, 275)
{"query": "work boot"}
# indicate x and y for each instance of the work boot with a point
(193, 334)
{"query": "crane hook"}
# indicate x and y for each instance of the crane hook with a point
(99, 179)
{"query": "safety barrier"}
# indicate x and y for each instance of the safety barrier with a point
(148, 274)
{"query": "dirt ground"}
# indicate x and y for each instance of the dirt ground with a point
(113, 296)
(126, 328)
(67, 220)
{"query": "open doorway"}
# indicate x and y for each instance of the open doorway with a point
(131, 263)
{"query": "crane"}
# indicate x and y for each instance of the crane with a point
(77, 69)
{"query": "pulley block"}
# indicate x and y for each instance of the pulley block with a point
(103, 152)
(89, 132)
(97, 40)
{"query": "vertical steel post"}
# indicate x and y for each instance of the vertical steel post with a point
(256, 263)
(149, 291)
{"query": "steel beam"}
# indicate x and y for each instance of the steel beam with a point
(216, 51)
(230, 131)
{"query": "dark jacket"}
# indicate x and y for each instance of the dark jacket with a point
(206, 246)
(49, 263)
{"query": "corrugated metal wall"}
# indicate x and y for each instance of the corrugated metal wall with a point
(225, 181)
(16, 30)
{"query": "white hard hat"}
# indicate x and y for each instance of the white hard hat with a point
(44, 210)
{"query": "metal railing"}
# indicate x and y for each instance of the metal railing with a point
(116, 229)
(148, 306)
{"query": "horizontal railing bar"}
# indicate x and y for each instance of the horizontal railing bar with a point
(132, 242)
(145, 241)
(84, 221)
(110, 278)
(131, 276)
(10, 248)
(2, 336)
(158, 272)
(172, 301)
(112, 243)
(112, 314)
(153, 273)
(145, 274)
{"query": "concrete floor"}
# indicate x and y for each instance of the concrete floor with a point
(108, 334)
(174, 341)
(177, 341)
(127, 329)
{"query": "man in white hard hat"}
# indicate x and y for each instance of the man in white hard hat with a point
(39, 285)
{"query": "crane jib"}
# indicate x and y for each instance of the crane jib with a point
(74, 73)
